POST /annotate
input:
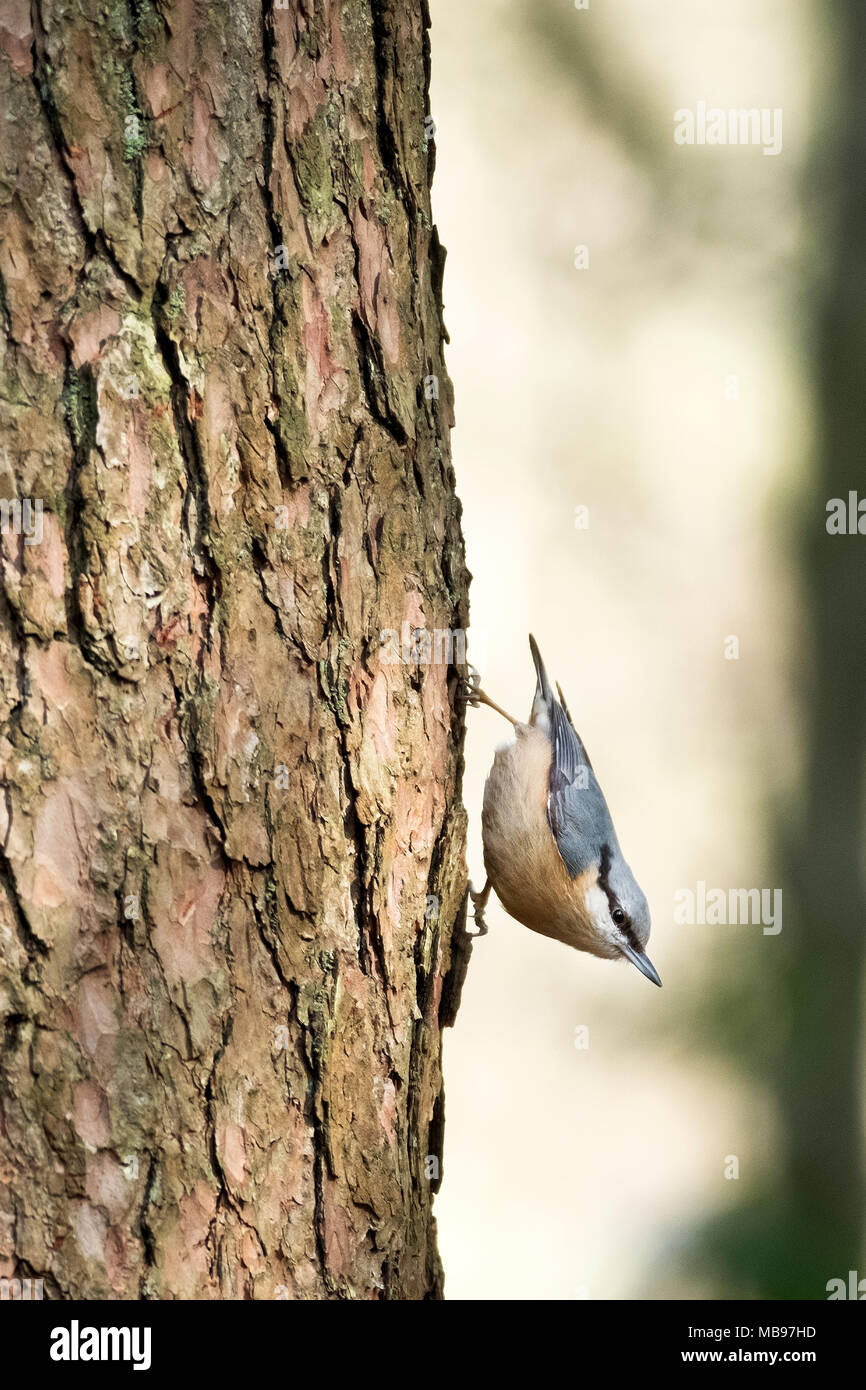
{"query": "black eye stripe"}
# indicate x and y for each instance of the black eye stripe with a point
(603, 883)
(612, 901)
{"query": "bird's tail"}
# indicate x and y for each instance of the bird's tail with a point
(544, 696)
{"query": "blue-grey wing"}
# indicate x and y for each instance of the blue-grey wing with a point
(576, 809)
(570, 762)
(580, 821)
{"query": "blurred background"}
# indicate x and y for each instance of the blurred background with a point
(697, 388)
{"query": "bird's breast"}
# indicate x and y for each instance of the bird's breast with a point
(520, 853)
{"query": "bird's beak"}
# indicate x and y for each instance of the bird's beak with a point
(643, 963)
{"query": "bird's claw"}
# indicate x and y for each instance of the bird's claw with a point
(479, 904)
(469, 687)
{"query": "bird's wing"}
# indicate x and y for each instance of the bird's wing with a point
(576, 809)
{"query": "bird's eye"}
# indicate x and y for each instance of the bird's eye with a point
(618, 916)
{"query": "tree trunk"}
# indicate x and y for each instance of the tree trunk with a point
(233, 847)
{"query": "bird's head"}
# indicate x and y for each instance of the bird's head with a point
(616, 909)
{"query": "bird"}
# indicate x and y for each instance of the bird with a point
(550, 850)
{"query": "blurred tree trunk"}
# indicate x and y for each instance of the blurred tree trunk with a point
(803, 1227)
(820, 1077)
(233, 845)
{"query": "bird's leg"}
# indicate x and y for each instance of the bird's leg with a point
(479, 904)
(472, 693)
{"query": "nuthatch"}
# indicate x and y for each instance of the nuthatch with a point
(550, 849)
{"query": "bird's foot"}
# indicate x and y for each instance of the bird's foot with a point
(479, 906)
(469, 688)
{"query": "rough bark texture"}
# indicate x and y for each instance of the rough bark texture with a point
(226, 816)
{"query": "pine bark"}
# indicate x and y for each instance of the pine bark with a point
(232, 881)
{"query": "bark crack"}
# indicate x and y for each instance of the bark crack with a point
(275, 329)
